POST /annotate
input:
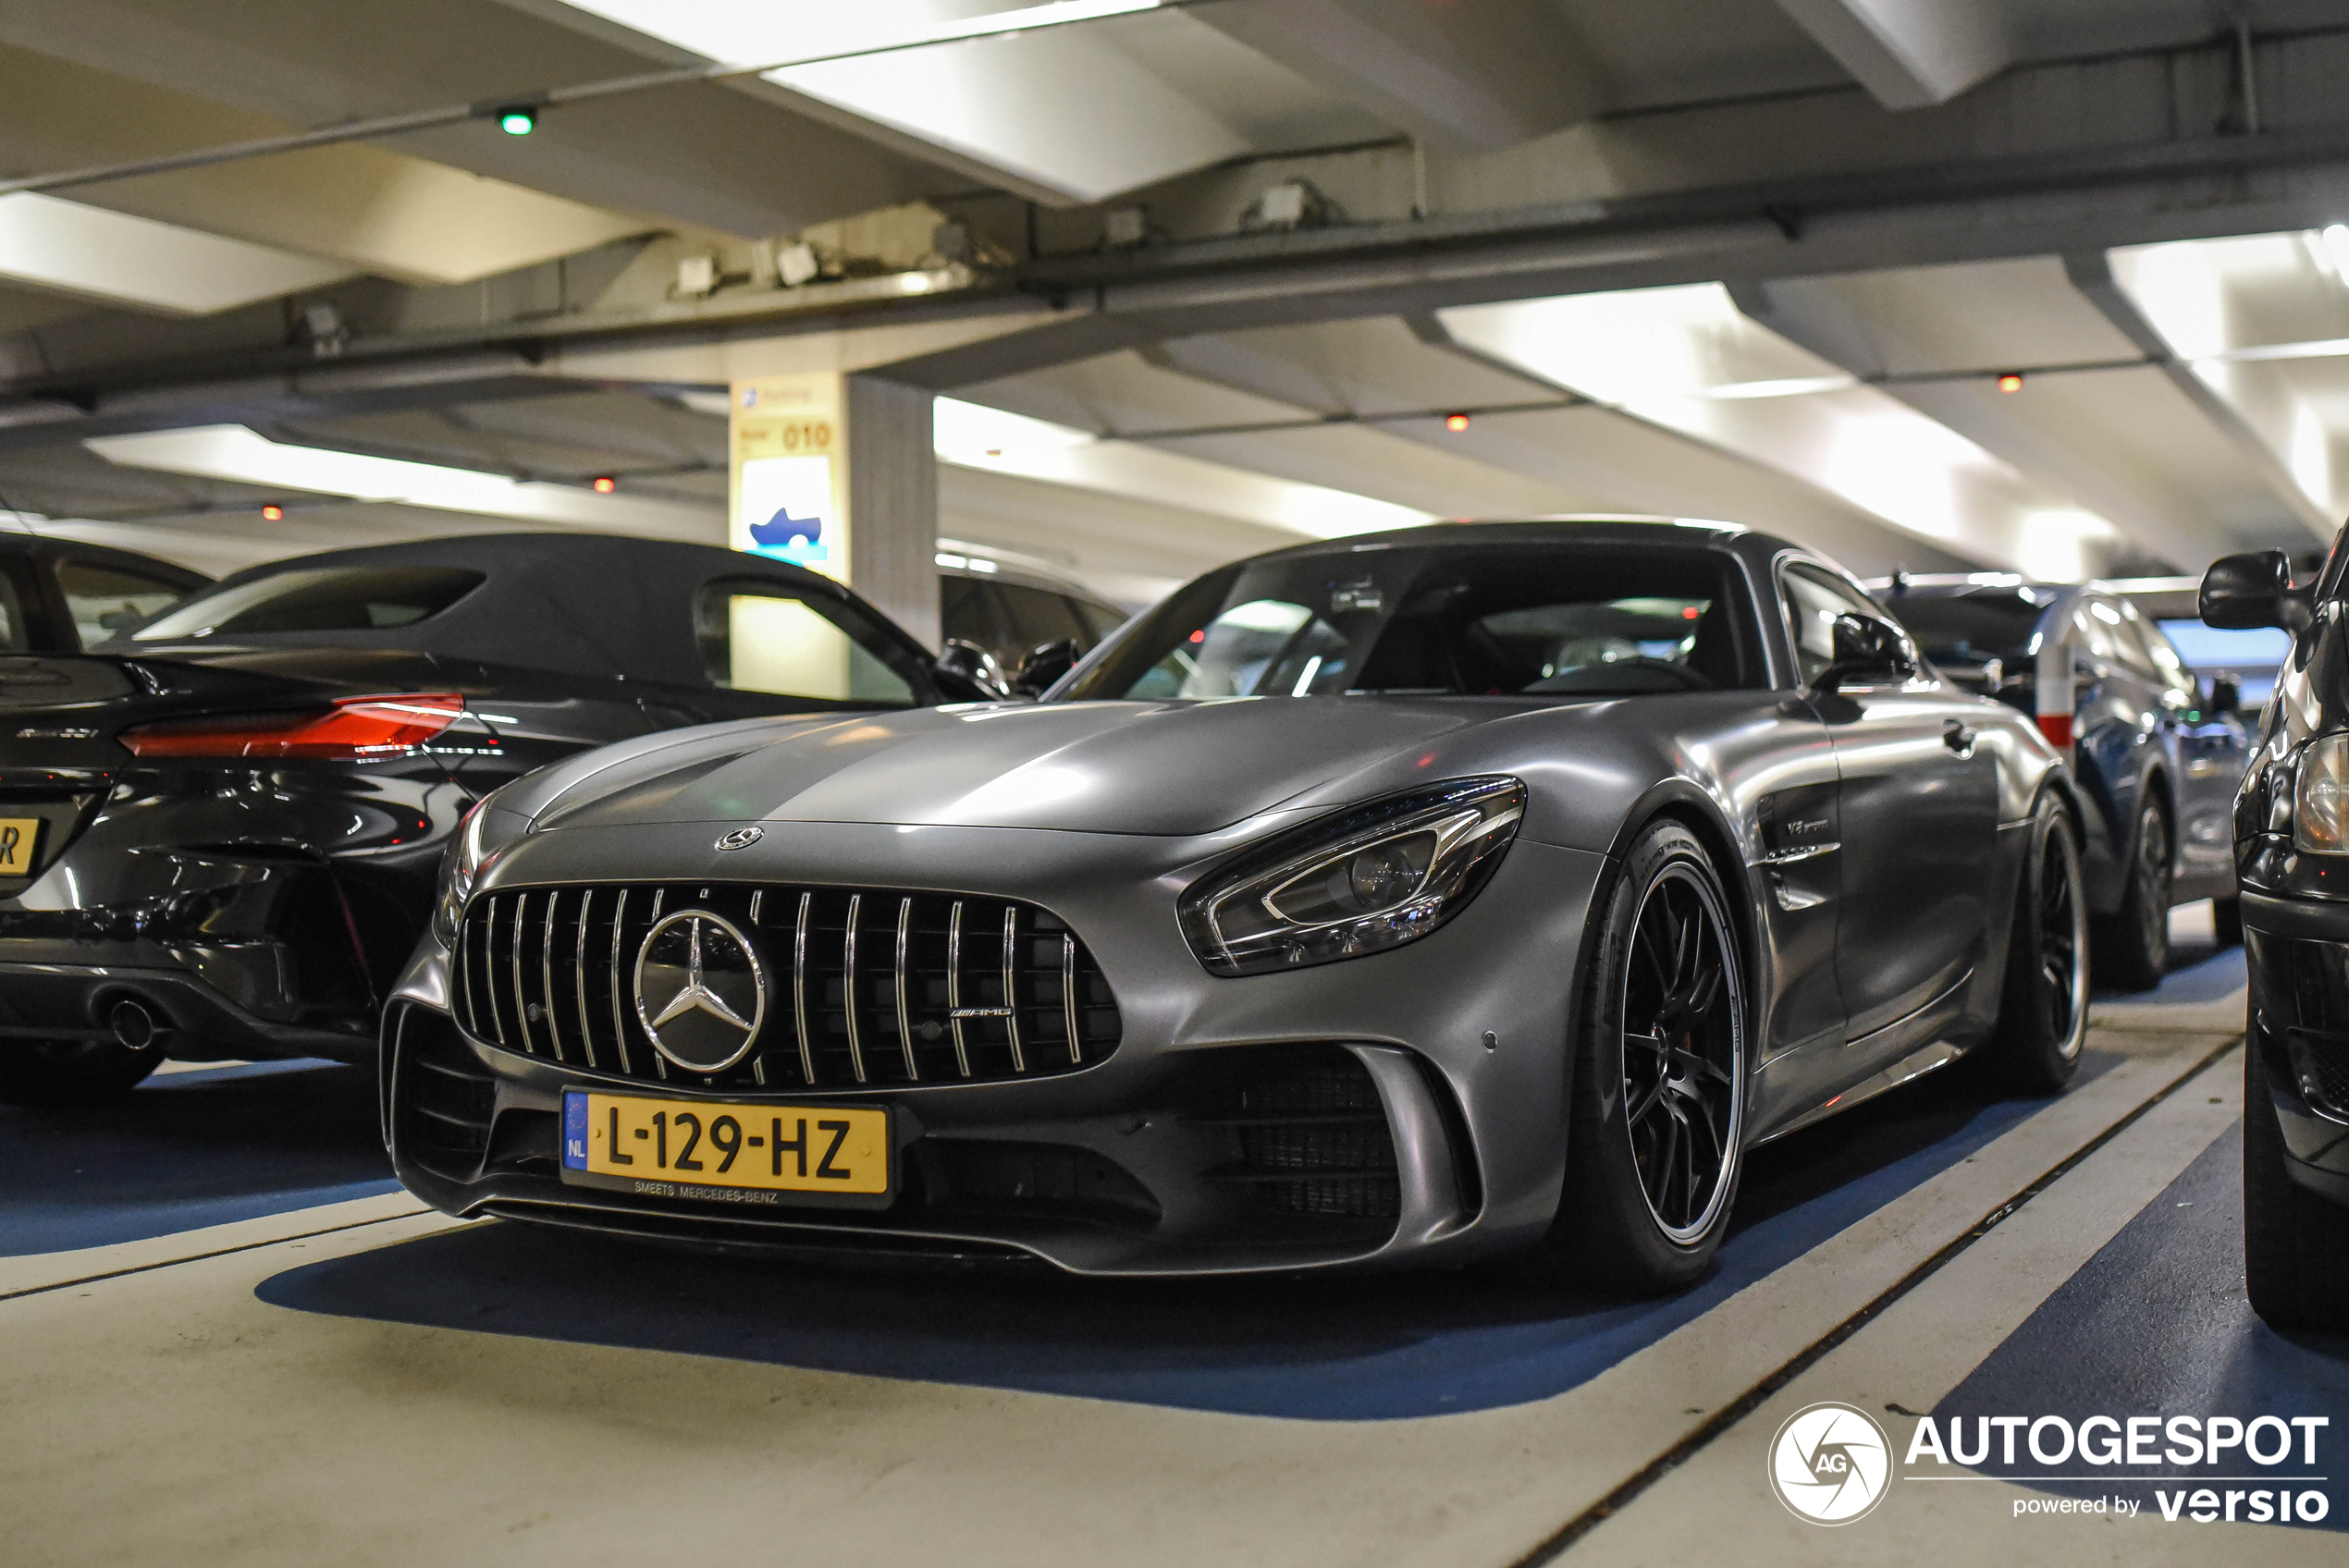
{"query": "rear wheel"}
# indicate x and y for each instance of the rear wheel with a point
(2043, 1016)
(1652, 1151)
(2133, 946)
(62, 1073)
(2295, 1244)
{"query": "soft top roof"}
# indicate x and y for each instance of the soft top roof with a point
(586, 603)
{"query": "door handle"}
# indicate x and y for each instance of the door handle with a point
(1958, 738)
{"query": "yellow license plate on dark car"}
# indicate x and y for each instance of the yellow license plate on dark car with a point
(19, 844)
(726, 1151)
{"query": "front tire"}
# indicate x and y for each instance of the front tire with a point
(71, 1073)
(2295, 1244)
(1654, 1149)
(2043, 1016)
(2135, 946)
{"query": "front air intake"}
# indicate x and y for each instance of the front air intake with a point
(864, 987)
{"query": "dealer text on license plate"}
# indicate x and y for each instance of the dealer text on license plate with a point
(753, 1153)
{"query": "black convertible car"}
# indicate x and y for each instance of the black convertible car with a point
(2292, 850)
(1453, 892)
(218, 834)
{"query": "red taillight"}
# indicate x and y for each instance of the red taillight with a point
(2056, 728)
(353, 729)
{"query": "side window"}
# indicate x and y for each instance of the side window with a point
(1813, 599)
(16, 635)
(966, 610)
(1038, 616)
(759, 636)
(106, 601)
(2169, 669)
(1099, 619)
(2128, 639)
(2095, 631)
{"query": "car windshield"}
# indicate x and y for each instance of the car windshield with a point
(1565, 620)
(1971, 627)
(316, 599)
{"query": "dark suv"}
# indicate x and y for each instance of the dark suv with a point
(2158, 751)
(2292, 850)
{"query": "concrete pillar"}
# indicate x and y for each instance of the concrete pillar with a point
(836, 474)
(893, 494)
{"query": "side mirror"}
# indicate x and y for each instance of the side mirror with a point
(1045, 663)
(967, 664)
(2245, 591)
(1866, 651)
(2225, 695)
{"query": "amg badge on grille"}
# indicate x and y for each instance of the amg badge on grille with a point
(741, 837)
(701, 993)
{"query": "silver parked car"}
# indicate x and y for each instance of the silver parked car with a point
(1452, 892)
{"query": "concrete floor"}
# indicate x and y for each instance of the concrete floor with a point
(225, 1338)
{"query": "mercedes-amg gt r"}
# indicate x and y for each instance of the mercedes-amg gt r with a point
(1433, 894)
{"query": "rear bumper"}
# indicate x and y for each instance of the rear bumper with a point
(53, 1000)
(2299, 960)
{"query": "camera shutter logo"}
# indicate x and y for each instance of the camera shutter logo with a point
(1830, 1463)
(701, 992)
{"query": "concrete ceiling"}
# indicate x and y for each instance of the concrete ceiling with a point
(1230, 263)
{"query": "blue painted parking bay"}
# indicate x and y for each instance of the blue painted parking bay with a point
(320, 1373)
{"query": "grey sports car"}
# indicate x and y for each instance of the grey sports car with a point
(1446, 893)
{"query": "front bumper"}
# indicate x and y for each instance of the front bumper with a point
(1425, 1088)
(2298, 951)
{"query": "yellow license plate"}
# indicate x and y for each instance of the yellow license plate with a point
(726, 1151)
(20, 845)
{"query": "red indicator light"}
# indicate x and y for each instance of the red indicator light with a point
(2011, 383)
(605, 484)
(272, 513)
(353, 729)
(1455, 423)
(1199, 636)
(1689, 612)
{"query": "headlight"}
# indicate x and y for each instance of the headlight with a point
(2320, 799)
(458, 869)
(1361, 881)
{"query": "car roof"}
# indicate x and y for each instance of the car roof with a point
(601, 604)
(1601, 528)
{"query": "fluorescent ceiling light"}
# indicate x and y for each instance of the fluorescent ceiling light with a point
(234, 453)
(972, 435)
(115, 259)
(1057, 112)
(1690, 340)
(759, 32)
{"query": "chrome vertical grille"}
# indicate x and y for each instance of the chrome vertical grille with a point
(864, 987)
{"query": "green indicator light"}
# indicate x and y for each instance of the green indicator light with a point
(517, 122)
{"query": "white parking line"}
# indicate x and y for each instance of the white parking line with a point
(1920, 1348)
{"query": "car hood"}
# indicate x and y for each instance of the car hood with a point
(1172, 768)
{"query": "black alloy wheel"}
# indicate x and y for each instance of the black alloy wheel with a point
(1680, 1052)
(2043, 1014)
(2135, 946)
(70, 1073)
(1655, 1146)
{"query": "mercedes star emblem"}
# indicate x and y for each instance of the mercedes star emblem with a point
(741, 837)
(701, 993)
